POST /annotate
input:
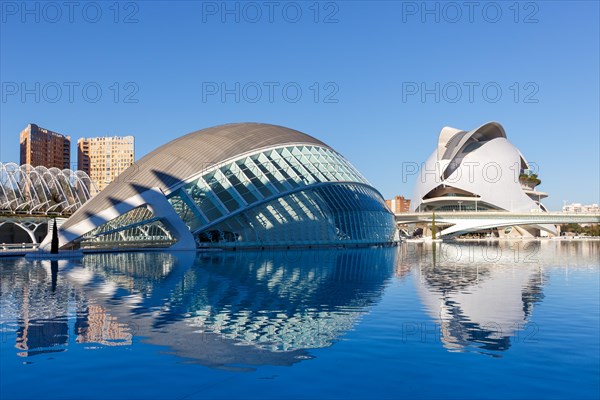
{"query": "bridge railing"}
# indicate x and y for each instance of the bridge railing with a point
(17, 247)
(553, 217)
(8, 213)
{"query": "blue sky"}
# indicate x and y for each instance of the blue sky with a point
(360, 66)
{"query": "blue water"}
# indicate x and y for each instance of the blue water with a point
(483, 319)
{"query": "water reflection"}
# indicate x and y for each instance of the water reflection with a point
(214, 309)
(481, 294)
(244, 308)
(45, 313)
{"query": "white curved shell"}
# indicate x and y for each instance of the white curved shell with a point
(479, 168)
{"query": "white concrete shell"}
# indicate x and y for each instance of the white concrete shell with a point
(477, 170)
(477, 167)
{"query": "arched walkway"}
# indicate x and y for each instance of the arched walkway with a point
(23, 230)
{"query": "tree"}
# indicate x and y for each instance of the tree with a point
(54, 245)
(589, 230)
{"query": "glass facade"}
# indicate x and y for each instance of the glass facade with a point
(287, 195)
(329, 214)
(283, 196)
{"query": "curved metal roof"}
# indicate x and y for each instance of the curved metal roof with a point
(185, 156)
(455, 143)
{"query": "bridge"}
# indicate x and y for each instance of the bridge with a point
(462, 222)
(21, 233)
(31, 197)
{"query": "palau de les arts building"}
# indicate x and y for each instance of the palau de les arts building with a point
(480, 170)
(235, 185)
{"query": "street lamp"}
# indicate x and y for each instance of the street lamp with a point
(459, 203)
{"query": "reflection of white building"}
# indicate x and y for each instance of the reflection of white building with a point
(478, 170)
(484, 300)
(489, 312)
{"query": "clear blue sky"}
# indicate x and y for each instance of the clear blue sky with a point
(368, 57)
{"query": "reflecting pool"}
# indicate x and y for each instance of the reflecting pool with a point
(450, 320)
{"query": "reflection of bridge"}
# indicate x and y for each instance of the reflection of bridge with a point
(469, 221)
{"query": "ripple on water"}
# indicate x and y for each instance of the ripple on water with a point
(392, 322)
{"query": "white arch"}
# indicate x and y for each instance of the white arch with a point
(27, 230)
(17, 200)
(32, 189)
(4, 202)
(474, 225)
(41, 189)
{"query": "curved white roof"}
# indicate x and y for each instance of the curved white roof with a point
(480, 163)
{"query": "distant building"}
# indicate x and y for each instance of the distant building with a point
(398, 204)
(104, 158)
(40, 146)
(579, 208)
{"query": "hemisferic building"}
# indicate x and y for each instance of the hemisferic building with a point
(235, 185)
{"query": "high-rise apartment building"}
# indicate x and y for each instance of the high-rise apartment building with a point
(41, 146)
(398, 204)
(104, 158)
